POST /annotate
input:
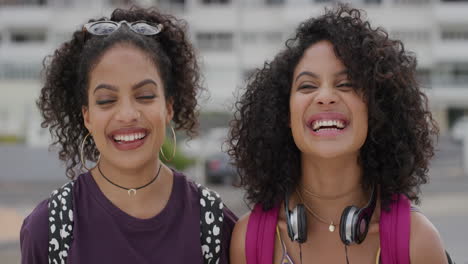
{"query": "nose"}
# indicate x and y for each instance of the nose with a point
(326, 96)
(127, 112)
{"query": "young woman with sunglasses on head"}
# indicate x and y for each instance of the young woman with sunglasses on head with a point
(332, 140)
(109, 96)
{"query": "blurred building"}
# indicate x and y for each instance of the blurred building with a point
(234, 37)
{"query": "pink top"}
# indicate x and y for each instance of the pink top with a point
(394, 228)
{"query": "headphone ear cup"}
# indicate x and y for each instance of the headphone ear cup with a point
(346, 225)
(361, 228)
(302, 223)
(289, 227)
(287, 214)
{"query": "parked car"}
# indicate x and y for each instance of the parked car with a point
(219, 170)
(460, 129)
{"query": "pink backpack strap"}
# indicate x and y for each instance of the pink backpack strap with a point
(260, 237)
(395, 231)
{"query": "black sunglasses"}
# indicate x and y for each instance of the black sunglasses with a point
(102, 28)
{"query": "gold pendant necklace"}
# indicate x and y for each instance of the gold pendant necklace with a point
(331, 226)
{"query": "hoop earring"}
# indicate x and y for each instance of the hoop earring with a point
(83, 161)
(173, 150)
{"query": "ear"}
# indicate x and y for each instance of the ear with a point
(86, 118)
(169, 109)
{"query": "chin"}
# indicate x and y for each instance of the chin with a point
(328, 153)
(130, 162)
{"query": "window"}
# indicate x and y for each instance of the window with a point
(207, 2)
(411, 35)
(171, 6)
(412, 2)
(18, 71)
(460, 71)
(454, 34)
(22, 2)
(171, 2)
(372, 1)
(27, 35)
(274, 2)
(452, 74)
(220, 41)
(423, 76)
(262, 38)
(121, 2)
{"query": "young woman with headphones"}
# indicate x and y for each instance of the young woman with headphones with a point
(332, 140)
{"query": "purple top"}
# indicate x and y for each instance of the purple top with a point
(105, 234)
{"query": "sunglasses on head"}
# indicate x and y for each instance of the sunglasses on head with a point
(102, 28)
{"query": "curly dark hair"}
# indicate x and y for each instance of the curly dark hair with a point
(401, 130)
(67, 71)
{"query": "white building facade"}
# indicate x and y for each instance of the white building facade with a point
(233, 38)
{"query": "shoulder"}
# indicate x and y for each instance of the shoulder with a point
(194, 192)
(187, 186)
(425, 243)
(34, 235)
(237, 250)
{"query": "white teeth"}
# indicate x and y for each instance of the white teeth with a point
(328, 123)
(130, 137)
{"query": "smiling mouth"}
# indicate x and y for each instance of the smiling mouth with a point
(327, 125)
(128, 138)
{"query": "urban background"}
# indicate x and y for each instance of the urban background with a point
(233, 37)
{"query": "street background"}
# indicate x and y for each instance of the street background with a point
(233, 38)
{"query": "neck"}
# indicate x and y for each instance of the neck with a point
(130, 177)
(330, 177)
(330, 185)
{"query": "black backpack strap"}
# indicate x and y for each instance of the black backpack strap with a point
(211, 224)
(60, 223)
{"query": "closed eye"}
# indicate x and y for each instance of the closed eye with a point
(104, 102)
(146, 97)
(345, 86)
(307, 86)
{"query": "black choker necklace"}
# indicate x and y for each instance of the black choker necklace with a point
(131, 191)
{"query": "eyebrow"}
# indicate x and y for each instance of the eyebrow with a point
(105, 86)
(143, 83)
(134, 87)
(314, 75)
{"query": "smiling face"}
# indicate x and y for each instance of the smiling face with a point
(328, 118)
(127, 113)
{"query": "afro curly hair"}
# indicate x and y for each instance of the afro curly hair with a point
(401, 130)
(66, 74)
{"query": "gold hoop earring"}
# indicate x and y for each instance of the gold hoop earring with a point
(174, 148)
(83, 161)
